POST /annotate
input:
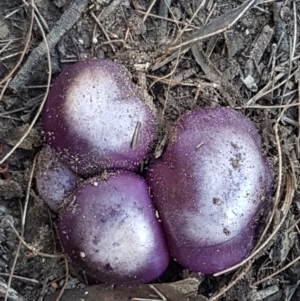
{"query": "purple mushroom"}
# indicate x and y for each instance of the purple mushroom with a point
(209, 187)
(54, 180)
(94, 118)
(110, 230)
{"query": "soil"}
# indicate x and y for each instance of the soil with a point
(188, 54)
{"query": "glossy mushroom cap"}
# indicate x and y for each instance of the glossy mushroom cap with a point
(109, 229)
(209, 188)
(94, 118)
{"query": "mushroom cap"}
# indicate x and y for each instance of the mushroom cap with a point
(209, 188)
(110, 230)
(91, 116)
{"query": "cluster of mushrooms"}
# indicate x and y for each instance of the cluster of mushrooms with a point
(199, 202)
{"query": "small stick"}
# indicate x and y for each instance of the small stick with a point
(41, 17)
(163, 18)
(66, 280)
(31, 248)
(4, 88)
(277, 272)
(216, 26)
(299, 108)
(189, 22)
(163, 11)
(104, 32)
(21, 278)
(210, 13)
(175, 82)
(42, 103)
(158, 292)
(28, 194)
(24, 50)
(6, 46)
(67, 20)
(8, 57)
(236, 14)
(136, 135)
(224, 289)
(274, 106)
(148, 11)
(199, 145)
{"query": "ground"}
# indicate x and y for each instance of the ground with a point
(186, 54)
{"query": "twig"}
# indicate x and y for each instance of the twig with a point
(224, 289)
(42, 103)
(21, 278)
(27, 195)
(166, 19)
(13, 12)
(273, 106)
(12, 271)
(8, 40)
(189, 22)
(43, 290)
(299, 109)
(9, 75)
(144, 299)
(277, 272)
(280, 28)
(158, 292)
(169, 86)
(173, 82)
(15, 111)
(265, 91)
(290, 70)
(295, 32)
(293, 225)
(258, 49)
(214, 75)
(31, 248)
(148, 10)
(6, 46)
(164, 6)
(210, 13)
(279, 182)
(10, 56)
(216, 26)
(41, 17)
(109, 9)
(104, 32)
(226, 22)
(4, 88)
(110, 42)
(21, 240)
(66, 280)
(136, 135)
(67, 20)
(102, 15)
